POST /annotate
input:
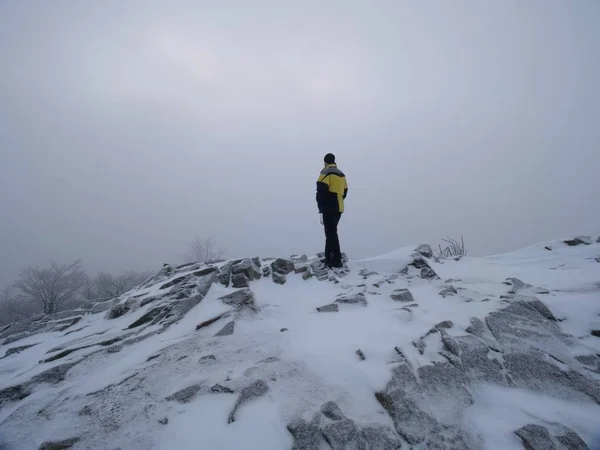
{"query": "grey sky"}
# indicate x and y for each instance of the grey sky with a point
(128, 128)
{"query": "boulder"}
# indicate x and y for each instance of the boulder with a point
(227, 330)
(307, 436)
(570, 439)
(328, 308)
(429, 274)
(255, 390)
(402, 295)
(306, 275)
(344, 435)
(225, 273)
(595, 333)
(239, 280)
(536, 437)
(425, 250)
(279, 278)
(249, 267)
(185, 395)
(450, 290)
(381, 438)
(300, 268)
(282, 266)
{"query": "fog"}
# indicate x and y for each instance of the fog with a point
(129, 128)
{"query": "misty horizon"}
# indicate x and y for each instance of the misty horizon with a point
(129, 129)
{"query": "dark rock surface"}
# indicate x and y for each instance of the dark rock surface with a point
(344, 435)
(59, 445)
(329, 308)
(227, 330)
(353, 299)
(242, 299)
(402, 295)
(307, 436)
(255, 390)
(185, 395)
(282, 266)
(450, 290)
(279, 278)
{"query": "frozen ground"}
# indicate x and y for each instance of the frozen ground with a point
(166, 385)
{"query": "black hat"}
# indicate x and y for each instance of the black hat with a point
(329, 158)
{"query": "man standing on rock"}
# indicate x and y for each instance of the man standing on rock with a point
(332, 189)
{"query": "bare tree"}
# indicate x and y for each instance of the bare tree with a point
(109, 285)
(454, 248)
(50, 288)
(203, 250)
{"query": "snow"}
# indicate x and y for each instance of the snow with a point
(314, 360)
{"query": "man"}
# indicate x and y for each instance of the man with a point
(332, 189)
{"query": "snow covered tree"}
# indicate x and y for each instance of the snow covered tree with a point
(52, 287)
(203, 250)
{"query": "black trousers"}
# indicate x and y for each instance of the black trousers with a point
(333, 254)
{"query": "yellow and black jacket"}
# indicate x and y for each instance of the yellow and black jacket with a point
(332, 189)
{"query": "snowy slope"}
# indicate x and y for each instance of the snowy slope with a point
(496, 362)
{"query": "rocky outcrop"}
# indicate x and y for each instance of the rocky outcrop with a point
(425, 250)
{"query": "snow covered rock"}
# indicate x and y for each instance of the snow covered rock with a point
(282, 266)
(425, 250)
(429, 274)
(450, 290)
(240, 280)
(402, 295)
(243, 298)
(250, 267)
(185, 395)
(307, 436)
(328, 308)
(352, 299)
(227, 330)
(279, 278)
(586, 240)
(119, 379)
(254, 390)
